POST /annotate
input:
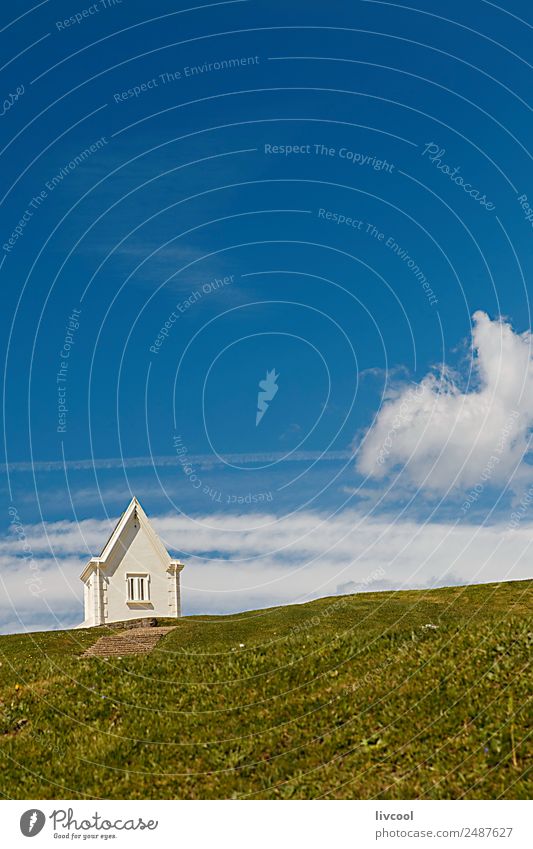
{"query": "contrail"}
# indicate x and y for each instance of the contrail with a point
(204, 461)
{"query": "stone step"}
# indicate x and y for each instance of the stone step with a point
(132, 641)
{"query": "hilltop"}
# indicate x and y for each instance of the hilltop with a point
(416, 694)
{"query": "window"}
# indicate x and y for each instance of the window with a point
(138, 588)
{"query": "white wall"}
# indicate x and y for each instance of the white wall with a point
(140, 556)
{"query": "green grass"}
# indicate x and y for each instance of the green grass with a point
(345, 697)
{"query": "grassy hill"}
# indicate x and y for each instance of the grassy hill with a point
(345, 697)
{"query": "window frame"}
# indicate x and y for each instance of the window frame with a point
(138, 587)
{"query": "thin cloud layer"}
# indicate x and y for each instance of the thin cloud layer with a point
(238, 563)
(442, 436)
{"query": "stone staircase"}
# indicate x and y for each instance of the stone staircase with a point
(130, 641)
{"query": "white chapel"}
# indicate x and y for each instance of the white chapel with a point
(133, 577)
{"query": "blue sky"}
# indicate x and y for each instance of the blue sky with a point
(192, 198)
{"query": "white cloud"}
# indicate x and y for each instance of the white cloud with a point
(442, 436)
(235, 563)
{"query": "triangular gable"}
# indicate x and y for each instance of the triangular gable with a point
(133, 509)
(115, 529)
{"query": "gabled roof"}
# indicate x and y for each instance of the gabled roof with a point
(133, 509)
